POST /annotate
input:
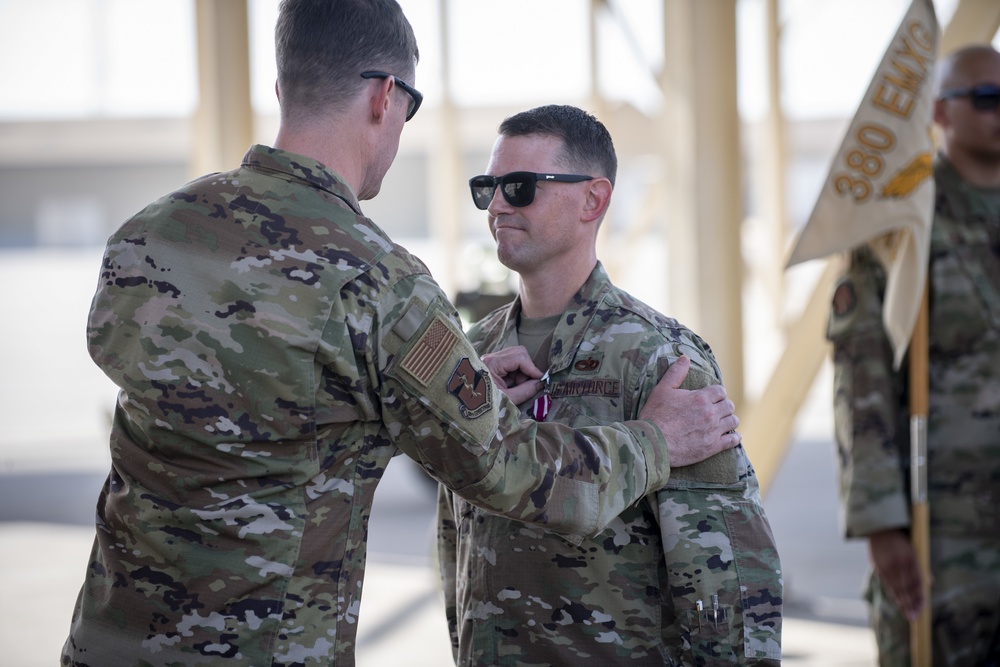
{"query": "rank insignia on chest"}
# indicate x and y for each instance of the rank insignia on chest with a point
(472, 388)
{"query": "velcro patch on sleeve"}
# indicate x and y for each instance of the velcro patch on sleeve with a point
(472, 388)
(439, 369)
(722, 468)
(425, 357)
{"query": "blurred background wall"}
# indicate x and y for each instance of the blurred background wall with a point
(725, 113)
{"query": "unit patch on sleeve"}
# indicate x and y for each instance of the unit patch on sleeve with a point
(844, 299)
(425, 358)
(472, 388)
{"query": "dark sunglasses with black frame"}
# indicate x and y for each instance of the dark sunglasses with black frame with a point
(984, 97)
(517, 187)
(415, 97)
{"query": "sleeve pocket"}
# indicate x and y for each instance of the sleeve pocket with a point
(724, 578)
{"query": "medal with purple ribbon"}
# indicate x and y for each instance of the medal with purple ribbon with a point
(540, 407)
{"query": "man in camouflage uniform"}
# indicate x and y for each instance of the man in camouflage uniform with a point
(686, 576)
(871, 406)
(274, 350)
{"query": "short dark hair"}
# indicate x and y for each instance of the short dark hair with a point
(322, 46)
(587, 144)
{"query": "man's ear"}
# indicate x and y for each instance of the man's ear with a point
(380, 100)
(598, 198)
(940, 117)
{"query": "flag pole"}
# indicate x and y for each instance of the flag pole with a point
(920, 628)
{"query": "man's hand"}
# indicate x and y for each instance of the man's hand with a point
(895, 561)
(697, 424)
(514, 373)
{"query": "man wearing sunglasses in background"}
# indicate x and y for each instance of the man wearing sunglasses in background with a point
(275, 349)
(687, 576)
(963, 439)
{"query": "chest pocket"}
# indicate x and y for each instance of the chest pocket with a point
(965, 272)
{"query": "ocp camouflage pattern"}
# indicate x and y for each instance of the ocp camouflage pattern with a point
(274, 350)
(963, 423)
(522, 595)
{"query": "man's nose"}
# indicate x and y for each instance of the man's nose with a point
(498, 204)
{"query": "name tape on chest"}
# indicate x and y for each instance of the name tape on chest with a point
(594, 387)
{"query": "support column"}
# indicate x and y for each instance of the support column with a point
(599, 108)
(224, 119)
(445, 162)
(974, 22)
(701, 130)
(774, 209)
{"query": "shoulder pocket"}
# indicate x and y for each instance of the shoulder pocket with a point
(856, 306)
(727, 590)
(722, 469)
(437, 366)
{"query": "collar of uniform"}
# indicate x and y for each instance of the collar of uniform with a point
(568, 334)
(300, 168)
(956, 198)
(581, 311)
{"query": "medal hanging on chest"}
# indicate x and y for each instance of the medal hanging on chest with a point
(540, 408)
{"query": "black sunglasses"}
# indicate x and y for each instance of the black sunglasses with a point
(415, 97)
(518, 187)
(985, 96)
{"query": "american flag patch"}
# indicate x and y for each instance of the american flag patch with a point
(425, 358)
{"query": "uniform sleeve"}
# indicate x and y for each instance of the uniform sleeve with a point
(447, 545)
(869, 417)
(442, 409)
(718, 542)
(448, 518)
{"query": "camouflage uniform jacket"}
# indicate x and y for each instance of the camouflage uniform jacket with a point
(274, 350)
(871, 409)
(521, 595)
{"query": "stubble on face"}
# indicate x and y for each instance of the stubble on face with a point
(533, 237)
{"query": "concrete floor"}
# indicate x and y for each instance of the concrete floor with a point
(42, 562)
